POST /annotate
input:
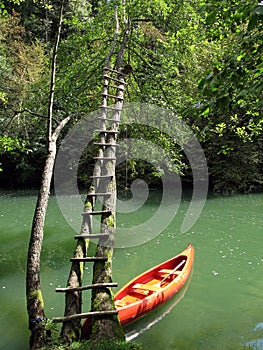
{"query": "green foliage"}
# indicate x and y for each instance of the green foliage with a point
(228, 112)
(104, 345)
(22, 66)
(109, 345)
(12, 146)
(227, 15)
(203, 60)
(3, 11)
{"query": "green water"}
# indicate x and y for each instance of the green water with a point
(220, 308)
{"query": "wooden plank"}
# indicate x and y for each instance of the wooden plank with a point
(173, 271)
(100, 176)
(98, 212)
(113, 70)
(105, 144)
(92, 236)
(165, 271)
(99, 194)
(104, 158)
(116, 87)
(90, 286)
(107, 131)
(85, 315)
(88, 259)
(109, 119)
(147, 287)
(112, 96)
(102, 194)
(114, 79)
(111, 107)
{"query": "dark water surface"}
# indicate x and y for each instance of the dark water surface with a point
(220, 308)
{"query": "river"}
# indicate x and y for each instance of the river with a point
(220, 308)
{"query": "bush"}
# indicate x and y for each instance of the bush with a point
(108, 345)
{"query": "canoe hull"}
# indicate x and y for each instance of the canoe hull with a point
(144, 293)
(151, 289)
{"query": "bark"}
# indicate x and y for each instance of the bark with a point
(71, 329)
(108, 327)
(105, 327)
(53, 74)
(35, 304)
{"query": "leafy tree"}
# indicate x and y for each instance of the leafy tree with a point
(229, 110)
(22, 66)
(205, 55)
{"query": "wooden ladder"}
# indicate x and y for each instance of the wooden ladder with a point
(103, 187)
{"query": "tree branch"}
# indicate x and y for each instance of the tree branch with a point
(35, 114)
(61, 125)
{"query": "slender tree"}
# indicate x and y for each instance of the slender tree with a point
(35, 304)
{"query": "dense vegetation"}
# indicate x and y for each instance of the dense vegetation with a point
(203, 60)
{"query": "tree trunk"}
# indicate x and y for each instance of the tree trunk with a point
(103, 299)
(71, 329)
(35, 304)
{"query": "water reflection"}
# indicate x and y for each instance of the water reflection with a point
(139, 327)
(220, 311)
(257, 343)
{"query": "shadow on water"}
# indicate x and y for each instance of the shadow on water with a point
(145, 323)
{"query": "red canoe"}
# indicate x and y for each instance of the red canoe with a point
(151, 289)
(154, 287)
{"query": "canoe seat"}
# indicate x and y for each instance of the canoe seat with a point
(167, 271)
(141, 292)
(147, 287)
(119, 303)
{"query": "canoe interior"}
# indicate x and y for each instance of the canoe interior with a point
(150, 282)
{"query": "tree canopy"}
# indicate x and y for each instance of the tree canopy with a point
(202, 60)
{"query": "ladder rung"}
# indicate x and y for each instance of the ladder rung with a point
(91, 286)
(92, 235)
(116, 87)
(100, 194)
(100, 176)
(104, 158)
(85, 315)
(107, 131)
(112, 96)
(105, 144)
(113, 70)
(111, 107)
(109, 119)
(114, 79)
(91, 258)
(99, 212)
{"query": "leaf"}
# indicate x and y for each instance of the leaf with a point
(253, 22)
(210, 19)
(206, 111)
(239, 58)
(258, 10)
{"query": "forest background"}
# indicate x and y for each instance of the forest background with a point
(202, 60)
